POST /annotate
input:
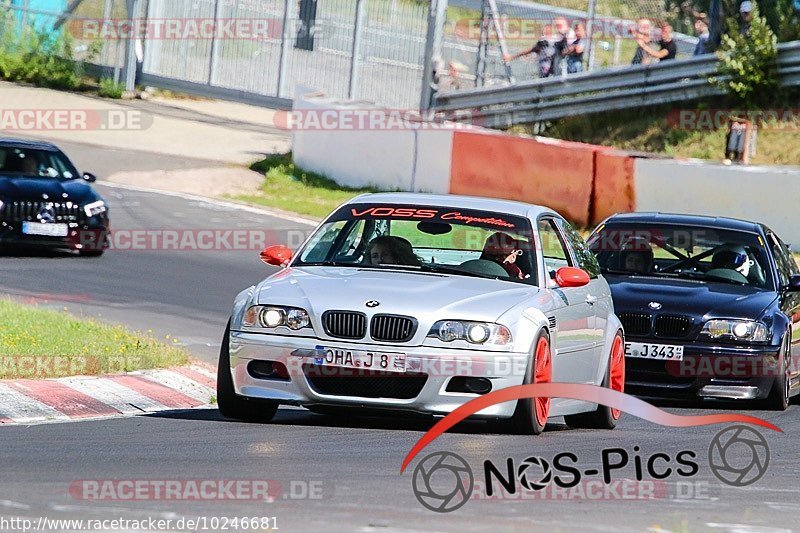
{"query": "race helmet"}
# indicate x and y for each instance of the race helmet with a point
(732, 258)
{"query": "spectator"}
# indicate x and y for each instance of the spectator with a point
(564, 36)
(745, 16)
(543, 49)
(642, 34)
(454, 71)
(668, 49)
(574, 52)
(702, 47)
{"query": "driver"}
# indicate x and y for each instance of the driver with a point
(387, 250)
(732, 258)
(636, 255)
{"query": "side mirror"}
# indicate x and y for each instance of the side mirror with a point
(278, 255)
(88, 176)
(571, 277)
(794, 284)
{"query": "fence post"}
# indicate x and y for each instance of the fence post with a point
(437, 14)
(284, 58)
(355, 56)
(212, 64)
(25, 6)
(590, 32)
(107, 14)
(134, 8)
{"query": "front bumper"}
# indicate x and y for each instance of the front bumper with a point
(80, 238)
(707, 371)
(431, 369)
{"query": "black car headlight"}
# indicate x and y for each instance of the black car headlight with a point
(472, 332)
(271, 317)
(735, 329)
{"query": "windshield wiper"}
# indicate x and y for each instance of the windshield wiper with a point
(329, 264)
(620, 272)
(442, 269)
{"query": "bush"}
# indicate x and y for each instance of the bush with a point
(110, 89)
(40, 58)
(750, 61)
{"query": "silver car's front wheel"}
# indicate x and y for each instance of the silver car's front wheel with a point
(230, 404)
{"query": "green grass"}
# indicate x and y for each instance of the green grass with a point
(648, 130)
(292, 189)
(44, 343)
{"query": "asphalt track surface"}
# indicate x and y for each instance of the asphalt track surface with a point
(351, 464)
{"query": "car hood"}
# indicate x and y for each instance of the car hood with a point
(426, 297)
(34, 189)
(686, 297)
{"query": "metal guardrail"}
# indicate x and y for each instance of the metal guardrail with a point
(607, 90)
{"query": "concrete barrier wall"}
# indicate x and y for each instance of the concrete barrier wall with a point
(770, 195)
(585, 183)
(387, 159)
(557, 174)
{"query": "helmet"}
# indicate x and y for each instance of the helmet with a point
(732, 258)
(636, 255)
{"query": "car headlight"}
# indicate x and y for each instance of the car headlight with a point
(739, 330)
(95, 208)
(272, 317)
(472, 332)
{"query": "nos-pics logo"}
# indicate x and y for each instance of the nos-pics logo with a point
(443, 481)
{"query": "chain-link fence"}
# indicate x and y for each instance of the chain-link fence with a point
(525, 26)
(358, 49)
(369, 50)
(375, 50)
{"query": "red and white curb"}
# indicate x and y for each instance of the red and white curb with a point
(26, 401)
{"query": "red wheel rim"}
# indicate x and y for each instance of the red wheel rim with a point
(616, 371)
(542, 373)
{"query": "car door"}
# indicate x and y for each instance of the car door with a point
(599, 294)
(574, 316)
(790, 301)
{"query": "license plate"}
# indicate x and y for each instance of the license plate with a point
(47, 230)
(344, 358)
(646, 350)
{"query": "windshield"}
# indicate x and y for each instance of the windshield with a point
(35, 163)
(425, 238)
(692, 252)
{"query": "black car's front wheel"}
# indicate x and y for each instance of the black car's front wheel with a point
(778, 399)
(230, 404)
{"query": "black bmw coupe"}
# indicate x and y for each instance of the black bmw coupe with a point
(46, 202)
(710, 306)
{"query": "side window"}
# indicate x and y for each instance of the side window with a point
(790, 260)
(553, 248)
(586, 259)
(779, 253)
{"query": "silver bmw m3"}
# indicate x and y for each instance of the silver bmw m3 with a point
(421, 303)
